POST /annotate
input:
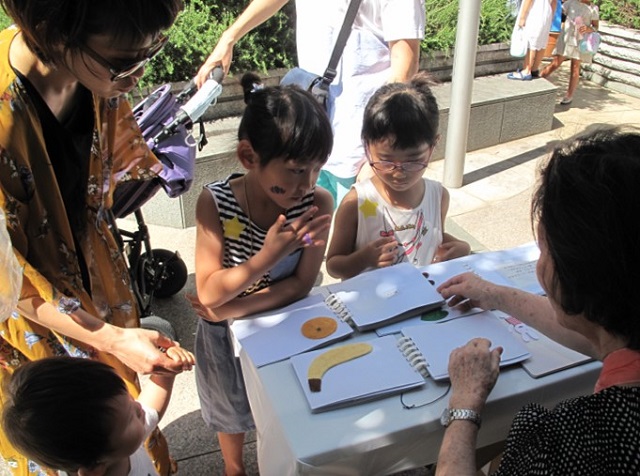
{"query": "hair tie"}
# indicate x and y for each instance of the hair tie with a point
(256, 87)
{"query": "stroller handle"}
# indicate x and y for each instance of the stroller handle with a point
(196, 106)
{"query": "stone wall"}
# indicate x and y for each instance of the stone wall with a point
(490, 60)
(616, 65)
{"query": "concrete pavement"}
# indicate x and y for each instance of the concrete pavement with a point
(490, 210)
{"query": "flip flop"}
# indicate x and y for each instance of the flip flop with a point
(519, 76)
(565, 101)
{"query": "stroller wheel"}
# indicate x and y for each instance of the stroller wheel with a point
(164, 273)
(156, 323)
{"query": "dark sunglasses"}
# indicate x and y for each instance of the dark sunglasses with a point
(121, 72)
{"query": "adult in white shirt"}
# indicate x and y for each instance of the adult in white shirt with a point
(383, 46)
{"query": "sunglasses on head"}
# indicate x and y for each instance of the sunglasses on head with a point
(123, 71)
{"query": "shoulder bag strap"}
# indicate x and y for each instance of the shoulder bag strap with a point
(330, 73)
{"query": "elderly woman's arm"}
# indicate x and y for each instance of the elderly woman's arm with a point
(473, 370)
(536, 311)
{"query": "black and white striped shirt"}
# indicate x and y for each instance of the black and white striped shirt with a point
(243, 238)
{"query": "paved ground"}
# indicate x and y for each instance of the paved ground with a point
(491, 210)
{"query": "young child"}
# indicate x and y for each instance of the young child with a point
(75, 415)
(582, 18)
(396, 215)
(260, 241)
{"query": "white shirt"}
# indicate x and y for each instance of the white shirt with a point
(364, 65)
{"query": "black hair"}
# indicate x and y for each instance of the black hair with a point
(48, 25)
(588, 205)
(284, 122)
(59, 411)
(405, 114)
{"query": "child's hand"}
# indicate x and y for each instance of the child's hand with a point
(304, 231)
(382, 252)
(451, 250)
(201, 310)
(178, 354)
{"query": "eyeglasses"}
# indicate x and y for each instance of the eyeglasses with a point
(121, 72)
(388, 166)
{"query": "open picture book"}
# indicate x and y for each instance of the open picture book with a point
(350, 373)
(383, 296)
(515, 267)
(360, 303)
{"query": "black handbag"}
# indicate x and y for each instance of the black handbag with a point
(319, 85)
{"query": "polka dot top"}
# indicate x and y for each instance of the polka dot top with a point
(593, 435)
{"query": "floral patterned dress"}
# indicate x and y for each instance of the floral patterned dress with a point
(41, 234)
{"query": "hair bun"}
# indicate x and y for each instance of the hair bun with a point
(250, 82)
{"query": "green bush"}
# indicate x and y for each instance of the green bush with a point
(272, 45)
(197, 30)
(496, 24)
(620, 12)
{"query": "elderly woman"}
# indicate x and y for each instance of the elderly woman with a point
(587, 210)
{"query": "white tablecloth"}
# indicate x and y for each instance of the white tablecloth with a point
(382, 437)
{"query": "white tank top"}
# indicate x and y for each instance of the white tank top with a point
(418, 231)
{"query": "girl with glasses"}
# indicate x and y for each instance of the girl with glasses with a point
(397, 214)
(67, 136)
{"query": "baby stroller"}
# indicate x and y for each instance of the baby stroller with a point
(166, 122)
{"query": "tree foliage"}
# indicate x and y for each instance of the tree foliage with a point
(272, 45)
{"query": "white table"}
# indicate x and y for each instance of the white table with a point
(381, 437)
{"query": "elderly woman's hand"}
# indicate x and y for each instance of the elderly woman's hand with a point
(469, 290)
(473, 370)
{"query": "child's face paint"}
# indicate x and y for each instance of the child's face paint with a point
(288, 181)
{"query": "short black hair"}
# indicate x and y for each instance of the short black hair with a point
(406, 114)
(48, 25)
(284, 122)
(59, 411)
(588, 203)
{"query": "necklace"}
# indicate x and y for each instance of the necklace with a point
(412, 243)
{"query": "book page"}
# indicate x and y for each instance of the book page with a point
(276, 337)
(384, 371)
(436, 342)
(385, 294)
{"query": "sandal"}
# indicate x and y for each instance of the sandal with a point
(566, 100)
(519, 76)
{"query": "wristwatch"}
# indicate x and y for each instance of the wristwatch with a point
(450, 414)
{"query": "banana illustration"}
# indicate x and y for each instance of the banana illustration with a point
(331, 358)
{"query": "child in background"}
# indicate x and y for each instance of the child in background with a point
(260, 242)
(582, 18)
(396, 215)
(535, 18)
(75, 415)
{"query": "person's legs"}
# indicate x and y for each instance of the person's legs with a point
(538, 55)
(223, 400)
(231, 445)
(574, 78)
(525, 73)
(551, 67)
